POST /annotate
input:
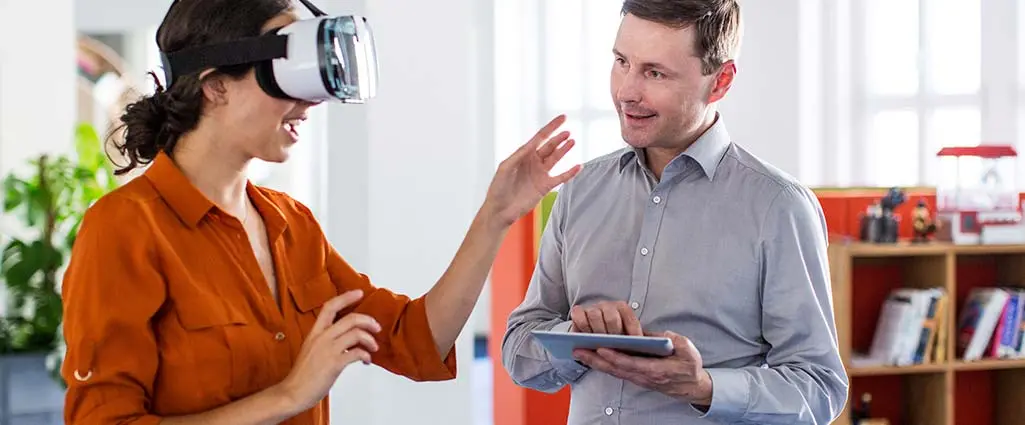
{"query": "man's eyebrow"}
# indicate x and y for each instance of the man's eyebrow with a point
(644, 64)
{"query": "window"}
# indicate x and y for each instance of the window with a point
(562, 51)
(920, 84)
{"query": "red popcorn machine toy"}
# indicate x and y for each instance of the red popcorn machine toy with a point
(977, 200)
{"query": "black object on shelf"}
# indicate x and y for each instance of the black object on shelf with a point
(862, 411)
(880, 224)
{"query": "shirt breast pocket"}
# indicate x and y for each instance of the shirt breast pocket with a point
(215, 350)
(309, 298)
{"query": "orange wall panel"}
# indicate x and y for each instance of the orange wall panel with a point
(515, 405)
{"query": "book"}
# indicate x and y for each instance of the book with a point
(979, 319)
(910, 329)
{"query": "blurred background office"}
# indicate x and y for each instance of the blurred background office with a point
(840, 93)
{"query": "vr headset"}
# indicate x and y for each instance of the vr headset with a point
(314, 60)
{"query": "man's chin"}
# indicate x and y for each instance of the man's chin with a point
(637, 141)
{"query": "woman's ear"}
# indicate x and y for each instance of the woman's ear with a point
(214, 90)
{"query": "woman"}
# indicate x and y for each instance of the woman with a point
(195, 297)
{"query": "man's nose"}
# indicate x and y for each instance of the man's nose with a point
(629, 90)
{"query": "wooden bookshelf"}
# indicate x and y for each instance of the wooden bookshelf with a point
(947, 391)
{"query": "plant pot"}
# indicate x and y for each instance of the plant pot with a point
(28, 394)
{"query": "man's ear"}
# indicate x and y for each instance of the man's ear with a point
(723, 81)
(214, 89)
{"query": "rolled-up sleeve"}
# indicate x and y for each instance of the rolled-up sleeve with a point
(545, 307)
(406, 344)
(804, 381)
(111, 290)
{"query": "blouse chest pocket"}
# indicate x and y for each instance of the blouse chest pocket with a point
(215, 350)
(309, 298)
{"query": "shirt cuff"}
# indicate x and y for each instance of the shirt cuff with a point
(569, 370)
(731, 395)
(431, 366)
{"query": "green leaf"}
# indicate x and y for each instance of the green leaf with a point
(19, 273)
(88, 146)
(11, 253)
(69, 239)
(29, 267)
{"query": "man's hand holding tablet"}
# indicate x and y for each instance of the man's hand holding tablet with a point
(680, 374)
(606, 317)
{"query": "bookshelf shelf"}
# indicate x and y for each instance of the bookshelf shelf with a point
(942, 389)
(896, 370)
(989, 365)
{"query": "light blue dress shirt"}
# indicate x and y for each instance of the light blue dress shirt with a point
(725, 250)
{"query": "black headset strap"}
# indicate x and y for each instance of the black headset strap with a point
(313, 9)
(248, 50)
(236, 52)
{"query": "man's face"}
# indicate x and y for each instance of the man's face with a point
(660, 93)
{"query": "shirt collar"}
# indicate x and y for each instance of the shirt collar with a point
(190, 205)
(707, 150)
(184, 199)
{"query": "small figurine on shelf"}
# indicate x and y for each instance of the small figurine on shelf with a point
(923, 225)
(871, 223)
(890, 222)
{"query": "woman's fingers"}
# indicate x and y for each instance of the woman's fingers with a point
(356, 338)
(540, 136)
(552, 143)
(554, 157)
(353, 321)
(564, 177)
(331, 309)
(354, 355)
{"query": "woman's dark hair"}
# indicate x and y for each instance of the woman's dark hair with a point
(154, 123)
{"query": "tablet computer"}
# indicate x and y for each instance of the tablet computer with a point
(561, 344)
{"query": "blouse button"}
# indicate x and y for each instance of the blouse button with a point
(280, 336)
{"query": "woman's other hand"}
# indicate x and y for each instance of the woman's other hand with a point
(328, 350)
(523, 178)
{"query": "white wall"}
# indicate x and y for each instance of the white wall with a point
(37, 97)
(408, 171)
(761, 108)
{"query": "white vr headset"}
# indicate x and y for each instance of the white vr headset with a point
(314, 60)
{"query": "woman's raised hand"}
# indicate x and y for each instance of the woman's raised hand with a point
(523, 178)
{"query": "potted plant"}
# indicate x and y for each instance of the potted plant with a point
(49, 204)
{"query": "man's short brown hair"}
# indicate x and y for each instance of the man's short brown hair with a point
(717, 25)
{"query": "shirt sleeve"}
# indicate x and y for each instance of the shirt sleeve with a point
(804, 381)
(406, 343)
(111, 289)
(544, 307)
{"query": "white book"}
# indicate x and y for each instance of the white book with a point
(886, 342)
(981, 320)
(911, 327)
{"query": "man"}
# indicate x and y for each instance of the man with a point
(685, 234)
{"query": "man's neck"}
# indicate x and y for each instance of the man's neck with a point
(219, 175)
(657, 158)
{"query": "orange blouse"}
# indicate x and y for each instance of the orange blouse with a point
(166, 311)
